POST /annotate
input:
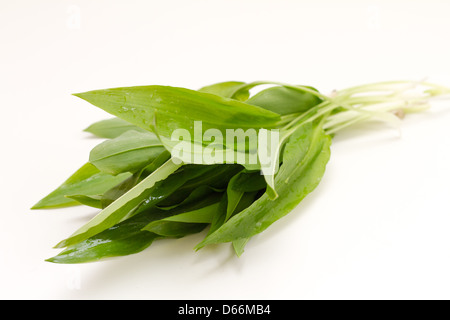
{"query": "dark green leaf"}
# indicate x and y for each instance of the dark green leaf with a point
(196, 195)
(175, 182)
(215, 177)
(249, 181)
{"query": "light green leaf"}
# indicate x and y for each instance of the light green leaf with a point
(227, 90)
(129, 152)
(91, 201)
(88, 180)
(111, 128)
(239, 245)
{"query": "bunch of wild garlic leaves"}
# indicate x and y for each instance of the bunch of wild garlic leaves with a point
(167, 169)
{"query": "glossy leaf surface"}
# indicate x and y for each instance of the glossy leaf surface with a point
(122, 239)
(138, 105)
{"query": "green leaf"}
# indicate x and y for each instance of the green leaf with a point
(247, 199)
(88, 180)
(174, 229)
(272, 167)
(138, 105)
(119, 190)
(202, 215)
(283, 100)
(185, 223)
(91, 201)
(122, 239)
(186, 219)
(129, 152)
(176, 182)
(162, 109)
(151, 191)
(127, 237)
(227, 90)
(196, 195)
(221, 215)
(239, 245)
(112, 128)
(233, 196)
(122, 208)
(96, 248)
(196, 177)
(249, 181)
(305, 157)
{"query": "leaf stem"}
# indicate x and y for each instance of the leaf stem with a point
(378, 100)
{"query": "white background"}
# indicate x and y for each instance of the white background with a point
(376, 228)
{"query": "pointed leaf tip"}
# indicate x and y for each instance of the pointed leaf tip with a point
(60, 245)
(82, 95)
(36, 207)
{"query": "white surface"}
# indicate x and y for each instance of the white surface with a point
(376, 227)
